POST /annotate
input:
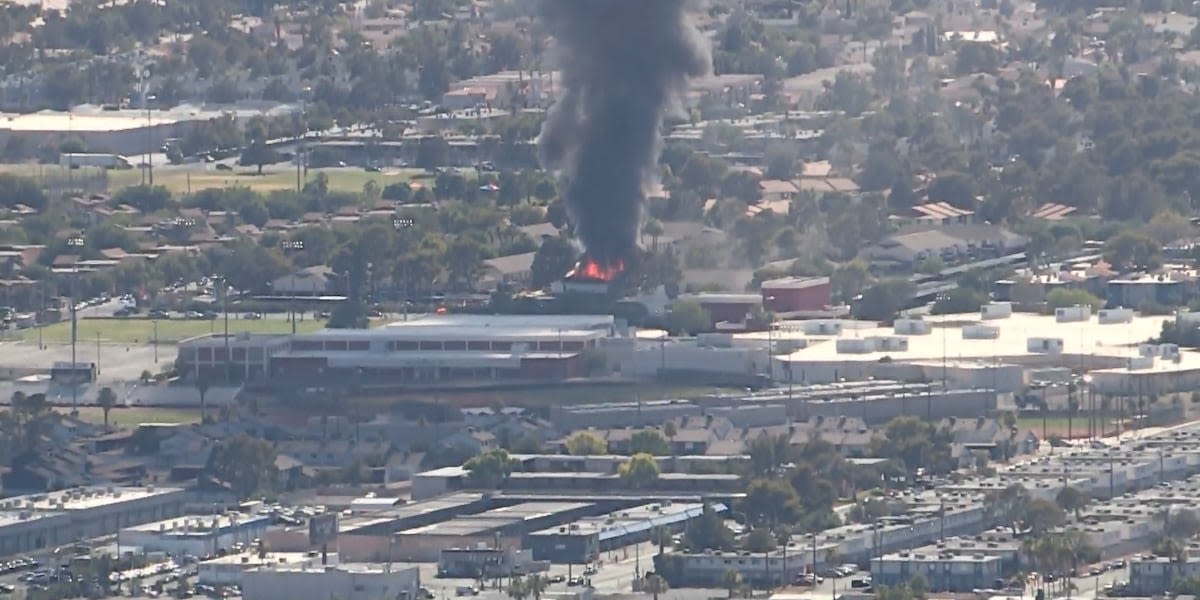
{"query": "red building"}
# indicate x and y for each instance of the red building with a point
(797, 294)
(725, 308)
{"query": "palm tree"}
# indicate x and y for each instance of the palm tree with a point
(655, 585)
(654, 229)
(202, 386)
(732, 580)
(536, 584)
(517, 589)
(107, 399)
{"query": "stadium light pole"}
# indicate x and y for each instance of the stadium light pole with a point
(149, 140)
(288, 247)
(75, 242)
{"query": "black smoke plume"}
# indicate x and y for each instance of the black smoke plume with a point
(625, 64)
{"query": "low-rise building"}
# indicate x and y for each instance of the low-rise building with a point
(945, 571)
(39, 521)
(194, 535)
(345, 581)
(582, 542)
(228, 570)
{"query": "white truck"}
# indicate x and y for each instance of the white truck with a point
(75, 160)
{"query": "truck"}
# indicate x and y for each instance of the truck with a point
(75, 160)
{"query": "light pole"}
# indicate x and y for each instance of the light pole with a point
(149, 140)
(770, 343)
(225, 310)
(155, 321)
(74, 242)
(288, 247)
(941, 297)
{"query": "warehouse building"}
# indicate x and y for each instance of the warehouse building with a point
(345, 582)
(582, 542)
(429, 350)
(194, 535)
(498, 528)
(83, 513)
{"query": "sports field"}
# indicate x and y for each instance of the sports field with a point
(136, 415)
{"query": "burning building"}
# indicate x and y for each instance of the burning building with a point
(590, 277)
(625, 65)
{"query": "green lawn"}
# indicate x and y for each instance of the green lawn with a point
(179, 179)
(134, 416)
(141, 331)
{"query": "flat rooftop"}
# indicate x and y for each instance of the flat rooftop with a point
(8, 518)
(84, 498)
(250, 559)
(197, 524)
(1087, 337)
(634, 519)
(496, 518)
(566, 322)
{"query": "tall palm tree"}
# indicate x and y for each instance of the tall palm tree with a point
(536, 585)
(202, 386)
(731, 579)
(517, 589)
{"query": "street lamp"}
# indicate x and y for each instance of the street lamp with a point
(399, 223)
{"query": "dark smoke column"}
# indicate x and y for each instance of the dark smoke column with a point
(624, 64)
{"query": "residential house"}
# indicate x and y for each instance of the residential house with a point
(312, 281)
(515, 270)
(950, 243)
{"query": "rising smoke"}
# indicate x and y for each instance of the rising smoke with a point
(624, 64)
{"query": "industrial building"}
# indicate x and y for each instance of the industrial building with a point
(40, 521)
(497, 528)
(128, 131)
(429, 350)
(194, 535)
(344, 581)
(228, 570)
(797, 294)
(582, 542)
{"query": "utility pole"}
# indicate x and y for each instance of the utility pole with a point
(225, 309)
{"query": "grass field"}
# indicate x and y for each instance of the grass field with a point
(1078, 427)
(141, 331)
(133, 416)
(180, 179)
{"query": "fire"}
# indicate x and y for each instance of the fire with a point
(591, 269)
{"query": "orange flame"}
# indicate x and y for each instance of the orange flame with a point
(591, 269)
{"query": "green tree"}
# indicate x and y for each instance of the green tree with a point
(258, 154)
(1133, 249)
(1064, 298)
(883, 300)
(649, 441)
(107, 399)
(959, 300)
(688, 318)
(670, 431)
(771, 501)
(586, 443)
(1041, 516)
(781, 161)
(1071, 499)
(246, 464)
(490, 469)
(640, 471)
(553, 259)
(849, 280)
